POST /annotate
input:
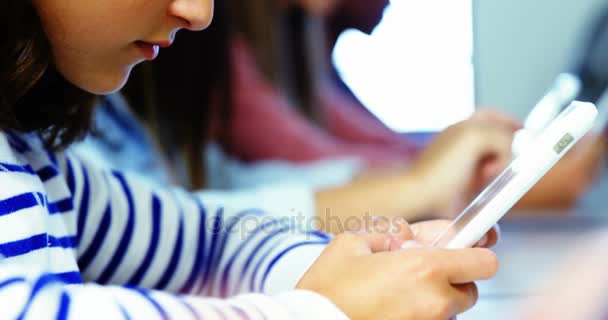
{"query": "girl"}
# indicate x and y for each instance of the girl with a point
(65, 223)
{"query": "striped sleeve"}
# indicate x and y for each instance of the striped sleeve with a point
(26, 294)
(131, 233)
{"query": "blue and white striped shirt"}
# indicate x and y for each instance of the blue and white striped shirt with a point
(80, 242)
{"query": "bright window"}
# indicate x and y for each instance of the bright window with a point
(415, 72)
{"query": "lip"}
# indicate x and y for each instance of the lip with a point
(150, 49)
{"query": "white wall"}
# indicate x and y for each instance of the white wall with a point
(521, 45)
(415, 70)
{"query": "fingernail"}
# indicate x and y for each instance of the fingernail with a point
(483, 242)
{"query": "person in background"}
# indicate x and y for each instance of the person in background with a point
(195, 108)
(561, 188)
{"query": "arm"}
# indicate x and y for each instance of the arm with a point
(388, 195)
(129, 233)
(29, 294)
(455, 166)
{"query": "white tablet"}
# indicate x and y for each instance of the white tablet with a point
(564, 91)
(521, 175)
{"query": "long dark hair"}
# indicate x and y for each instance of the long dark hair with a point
(34, 97)
(184, 92)
(288, 45)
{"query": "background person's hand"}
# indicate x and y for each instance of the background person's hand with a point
(569, 179)
(464, 158)
(359, 275)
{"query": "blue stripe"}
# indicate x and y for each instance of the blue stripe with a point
(21, 247)
(240, 312)
(62, 206)
(11, 281)
(153, 302)
(119, 254)
(83, 210)
(64, 306)
(237, 253)
(276, 259)
(263, 257)
(33, 243)
(52, 157)
(217, 228)
(42, 282)
(119, 119)
(73, 277)
(18, 203)
(219, 312)
(195, 314)
(17, 147)
(320, 234)
(14, 138)
(87, 257)
(17, 142)
(262, 315)
(173, 262)
(17, 168)
(47, 173)
(63, 242)
(156, 223)
(71, 180)
(123, 311)
(200, 251)
(232, 223)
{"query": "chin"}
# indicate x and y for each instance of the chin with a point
(103, 83)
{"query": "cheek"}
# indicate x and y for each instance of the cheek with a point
(92, 40)
(89, 48)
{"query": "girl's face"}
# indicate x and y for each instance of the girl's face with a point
(96, 43)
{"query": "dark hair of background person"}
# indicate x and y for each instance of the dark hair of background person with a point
(186, 91)
(592, 61)
(34, 97)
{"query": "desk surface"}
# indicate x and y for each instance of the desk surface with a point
(529, 251)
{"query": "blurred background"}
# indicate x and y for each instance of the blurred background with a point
(503, 54)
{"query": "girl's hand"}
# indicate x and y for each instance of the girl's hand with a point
(361, 276)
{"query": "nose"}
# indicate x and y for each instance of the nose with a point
(196, 14)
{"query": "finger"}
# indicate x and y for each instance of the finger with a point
(490, 239)
(465, 297)
(499, 142)
(496, 154)
(385, 234)
(426, 232)
(468, 265)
